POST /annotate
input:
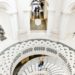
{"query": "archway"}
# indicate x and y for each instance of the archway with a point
(39, 13)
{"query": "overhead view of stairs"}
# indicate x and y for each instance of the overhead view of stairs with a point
(57, 52)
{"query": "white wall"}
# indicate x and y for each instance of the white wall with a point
(71, 24)
(8, 20)
(68, 23)
(60, 20)
(5, 22)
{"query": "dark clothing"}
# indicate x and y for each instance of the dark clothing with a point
(41, 64)
(42, 5)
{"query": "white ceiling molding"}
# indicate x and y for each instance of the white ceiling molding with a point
(6, 7)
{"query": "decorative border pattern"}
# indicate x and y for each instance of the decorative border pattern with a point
(11, 55)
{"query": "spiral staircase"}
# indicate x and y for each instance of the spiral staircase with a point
(59, 59)
(51, 66)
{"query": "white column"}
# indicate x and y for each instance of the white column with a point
(27, 15)
(64, 26)
(14, 25)
(50, 21)
(56, 26)
(20, 16)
